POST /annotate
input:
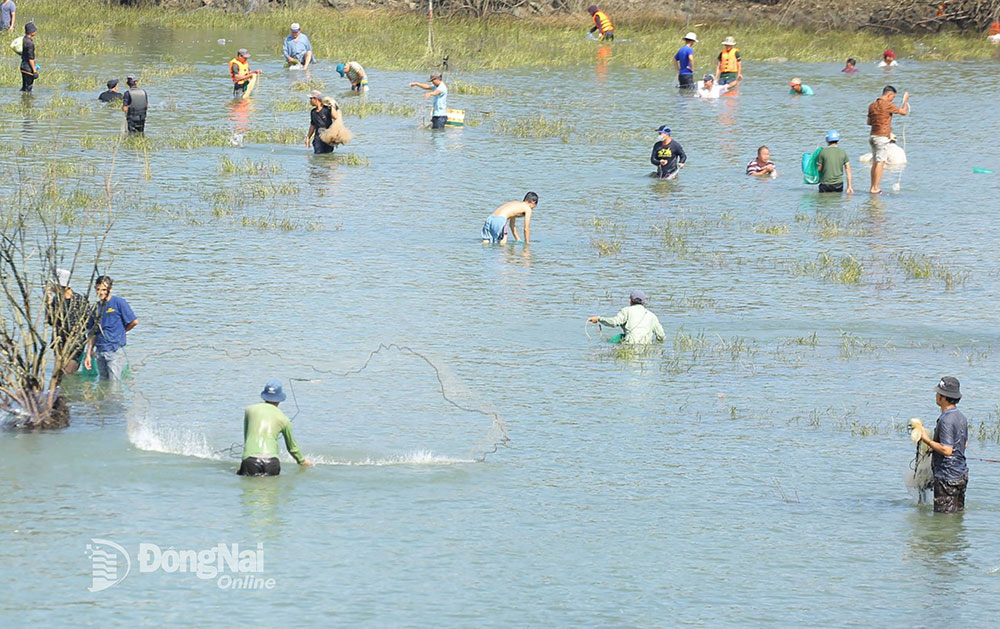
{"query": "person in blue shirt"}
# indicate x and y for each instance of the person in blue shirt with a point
(684, 62)
(297, 49)
(107, 334)
(796, 87)
(951, 437)
(437, 89)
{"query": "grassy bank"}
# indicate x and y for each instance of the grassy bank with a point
(392, 40)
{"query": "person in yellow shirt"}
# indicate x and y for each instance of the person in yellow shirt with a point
(602, 23)
(730, 65)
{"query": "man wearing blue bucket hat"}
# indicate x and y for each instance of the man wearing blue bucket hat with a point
(833, 165)
(262, 423)
(355, 74)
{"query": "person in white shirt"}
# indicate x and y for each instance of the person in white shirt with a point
(708, 88)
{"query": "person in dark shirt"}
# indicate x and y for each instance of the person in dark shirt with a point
(112, 94)
(668, 156)
(67, 313)
(951, 437)
(29, 69)
(321, 117)
(135, 102)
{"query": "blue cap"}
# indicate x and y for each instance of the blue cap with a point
(272, 392)
(664, 129)
(340, 69)
(833, 135)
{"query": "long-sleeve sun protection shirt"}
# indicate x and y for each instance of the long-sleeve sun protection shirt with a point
(640, 325)
(262, 423)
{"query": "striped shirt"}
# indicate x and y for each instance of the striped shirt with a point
(755, 167)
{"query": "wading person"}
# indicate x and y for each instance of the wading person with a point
(68, 313)
(602, 24)
(437, 89)
(797, 88)
(29, 69)
(240, 73)
(504, 219)
(320, 118)
(849, 66)
(111, 94)
(880, 119)
(668, 155)
(762, 166)
(262, 423)
(710, 89)
(135, 102)
(8, 15)
(638, 324)
(730, 63)
(888, 60)
(108, 330)
(951, 437)
(355, 74)
(684, 62)
(297, 49)
(833, 165)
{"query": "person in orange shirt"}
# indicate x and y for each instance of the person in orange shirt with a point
(880, 119)
(602, 23)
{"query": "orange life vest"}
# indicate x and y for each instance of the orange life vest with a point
(728, 62)
(236, 68)
(603, 22)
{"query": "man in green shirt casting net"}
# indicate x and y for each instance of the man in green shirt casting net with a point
(262, 423)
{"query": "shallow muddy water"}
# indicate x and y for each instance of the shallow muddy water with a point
(748, 471)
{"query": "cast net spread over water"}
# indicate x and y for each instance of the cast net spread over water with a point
(396, 407)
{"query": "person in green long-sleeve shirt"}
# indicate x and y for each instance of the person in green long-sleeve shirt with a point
(262, 423)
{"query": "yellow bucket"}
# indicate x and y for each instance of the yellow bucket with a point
(456, 118)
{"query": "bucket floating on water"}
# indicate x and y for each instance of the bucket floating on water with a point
(456, 118)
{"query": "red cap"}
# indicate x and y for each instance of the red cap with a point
(888, 53)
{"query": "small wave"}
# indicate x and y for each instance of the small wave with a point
(172, 441)
(420, 457)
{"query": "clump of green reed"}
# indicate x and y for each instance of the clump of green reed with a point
(200, 137)
(771, 229)
(843, 270)
(811, 340)
(474, 89)
(292, 105)
(537, 126)
(247, 167)
(853, 345)
(607, 247)
(364, 108)
(264, 223)
(306, 86)
(351, 159)
(673, 240)
(275, 136)
(917, 266)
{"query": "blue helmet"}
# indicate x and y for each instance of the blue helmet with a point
(340, 69)
(833, 135)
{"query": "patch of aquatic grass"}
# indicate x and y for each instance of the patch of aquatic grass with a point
(843, 269)
(306, 86)
(365, 108)
(275, 136)
(537, 126)
(852, 345)
(200, 137)
(264, 223)
(607, 247)
(673, 240)
(297, 104)
(163, 71)
(351, 159)
(811, 340)
(689, 343)
(57, 107)
(771, 229)
(474, 89)
(828, 227)
(247, 167)
(917, 266)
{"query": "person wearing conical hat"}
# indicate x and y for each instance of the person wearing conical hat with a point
(730, 63)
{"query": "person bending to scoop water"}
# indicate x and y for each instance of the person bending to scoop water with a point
(668, 155)
(355, 74)
(638, 324)
(602, 24)
(262, 423)
(297, 49)
(496, 226)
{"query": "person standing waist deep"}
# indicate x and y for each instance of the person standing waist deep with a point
(135, 102)
(684, 62)
(951, 437)
(108, 328)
